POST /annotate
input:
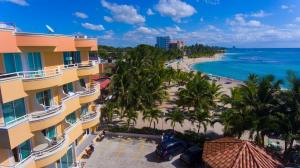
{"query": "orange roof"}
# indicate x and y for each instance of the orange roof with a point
(234, 153)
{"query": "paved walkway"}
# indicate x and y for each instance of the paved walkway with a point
(86, 142)
(128, 153)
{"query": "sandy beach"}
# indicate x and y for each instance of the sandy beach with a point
(186, 64)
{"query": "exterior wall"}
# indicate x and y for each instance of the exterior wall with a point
(8, 42)
(51, 48)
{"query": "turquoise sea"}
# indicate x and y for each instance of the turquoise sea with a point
(239, 63)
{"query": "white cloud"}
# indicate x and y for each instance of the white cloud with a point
(91, 26)
(239, 20)
(81, 15)
(147, 30)
(150, 12)
(108, 35)
(108, 19)
(176, 9)
(18, 2)
(260, 14)
(123, 13)
(284, 7)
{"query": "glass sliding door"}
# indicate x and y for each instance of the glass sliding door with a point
(71, 118)
(24, 150)
(72, 58)
(82, 82)
(12, 62)
(84, 109)
(50, 132)
(34, 61)
(12, 111)
(44, 98)
(68, 159)
(68, 88)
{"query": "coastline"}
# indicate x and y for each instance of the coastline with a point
(186, 64)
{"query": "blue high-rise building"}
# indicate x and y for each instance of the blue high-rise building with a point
(163, 42)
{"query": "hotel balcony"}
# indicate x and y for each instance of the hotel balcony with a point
(73, 131)
(10, 84)
(69, 74)
(14, 132)
(70, 102)
(50, 151)
(91, 68)
(46, 117)
(26, 163)
(90, 119)
(89, 95)
(35, 80)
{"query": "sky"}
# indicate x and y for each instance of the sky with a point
(120, 23)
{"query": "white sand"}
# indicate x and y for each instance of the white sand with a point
(186, 65)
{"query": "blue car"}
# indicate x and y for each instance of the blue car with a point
(168, 149)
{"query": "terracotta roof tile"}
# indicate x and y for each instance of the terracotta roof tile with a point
(234, 153)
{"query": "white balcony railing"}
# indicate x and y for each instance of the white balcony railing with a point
(48, 112)
(30, 75)
(89, 117)
(55, 146)
(12, 123)
(20, 164)
(88, 92)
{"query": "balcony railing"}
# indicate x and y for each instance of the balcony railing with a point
(54, 147)
(7, 125)
(29, 75)
(89, 116)
(48, 112)
(88, 92)
(20, 164)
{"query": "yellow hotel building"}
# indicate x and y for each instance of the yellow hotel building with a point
(46, 98)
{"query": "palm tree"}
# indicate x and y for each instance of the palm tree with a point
(152, 115)
(259, 99)
(176, 116)
(199, 92)
(201, 117)
(131, 116)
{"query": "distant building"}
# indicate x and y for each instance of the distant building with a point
(163, 42)
(176, 44)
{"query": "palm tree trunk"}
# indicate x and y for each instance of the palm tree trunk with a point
(291, 143)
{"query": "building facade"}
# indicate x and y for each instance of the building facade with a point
(163, 42)
(47, 95)
(176, 44)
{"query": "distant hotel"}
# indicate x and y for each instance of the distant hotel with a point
(166, 43)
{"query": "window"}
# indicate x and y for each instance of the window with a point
(50, 132)
(34, 61)
(71, 118)
(22, 151)
(44, 98)
(72, 58)
(12, 62)
(13, 111)
(84, 109)
(67, 160)
(82, 82)
(68, 88)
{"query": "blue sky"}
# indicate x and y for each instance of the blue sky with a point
(243, 23)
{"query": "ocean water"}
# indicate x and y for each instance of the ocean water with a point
(239, 63)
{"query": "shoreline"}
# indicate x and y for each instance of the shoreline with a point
(186, 64)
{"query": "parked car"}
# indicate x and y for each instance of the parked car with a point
(168, 137)
(167, 150)
(192, 156)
